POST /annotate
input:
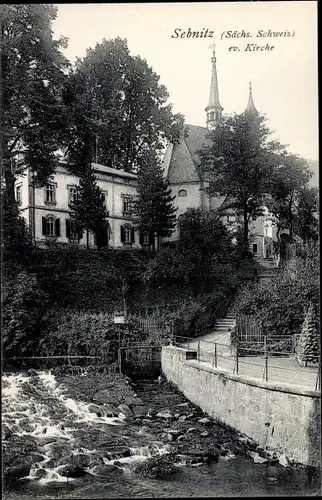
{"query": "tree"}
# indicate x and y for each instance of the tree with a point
(153, 209)
(290, 176)
(308, 345)
(32, 75)
(123, 105)
(88, 211)
(240, 159)
(33, 72)
(306, 224)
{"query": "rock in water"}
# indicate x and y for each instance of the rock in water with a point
(284, 460)
(164, 414)
(158, 467)
(125, 410)
(257, 458)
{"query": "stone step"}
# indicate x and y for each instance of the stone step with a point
(221, 329)
(226, 320)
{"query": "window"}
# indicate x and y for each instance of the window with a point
(71, 231)
(254, 247)
(18, 194)
(104, 193)
(50, 226)
(254, 217)
(126, 204)
(182, 192)
(127, 234)
(72, 194)
(144, 238)
(50, 195)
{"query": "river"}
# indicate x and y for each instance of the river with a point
(90, 435)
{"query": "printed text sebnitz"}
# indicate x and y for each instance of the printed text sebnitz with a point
(206, 33)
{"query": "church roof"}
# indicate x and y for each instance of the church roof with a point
(181, 160)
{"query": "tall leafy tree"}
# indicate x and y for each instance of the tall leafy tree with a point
(33, 72)
(240, 159)
(289, 178)
(88, 211)
(32, 75)
(124, 104)
(153, 208)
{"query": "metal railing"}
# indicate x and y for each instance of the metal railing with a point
(266, 365)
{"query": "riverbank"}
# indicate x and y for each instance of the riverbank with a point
(89, 434)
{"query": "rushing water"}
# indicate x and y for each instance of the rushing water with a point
(59, 428)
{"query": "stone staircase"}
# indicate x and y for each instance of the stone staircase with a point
(267, 274)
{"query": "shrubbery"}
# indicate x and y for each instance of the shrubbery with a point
(24, 311)
(87, 334)
(281, 305)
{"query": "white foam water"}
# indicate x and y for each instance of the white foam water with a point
(39, 407)
(29, 405)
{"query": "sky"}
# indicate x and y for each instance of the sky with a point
(284, 79)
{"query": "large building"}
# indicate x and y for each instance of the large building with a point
(48, 215)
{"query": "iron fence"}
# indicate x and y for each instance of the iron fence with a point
(285, 368)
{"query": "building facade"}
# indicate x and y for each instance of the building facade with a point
(47, 212)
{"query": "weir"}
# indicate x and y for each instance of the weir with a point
(278, 417)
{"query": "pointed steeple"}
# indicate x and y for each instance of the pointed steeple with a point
(214, 109)
(251, 106)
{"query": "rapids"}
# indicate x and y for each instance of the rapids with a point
(71, 436)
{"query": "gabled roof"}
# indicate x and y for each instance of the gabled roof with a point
(181, 160)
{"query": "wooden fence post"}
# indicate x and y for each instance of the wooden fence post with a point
(119, 361)
(237, 356)
(266, 359)
(215, 355)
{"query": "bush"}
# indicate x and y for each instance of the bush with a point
(24, 311)
(280, 306)
(87, 334)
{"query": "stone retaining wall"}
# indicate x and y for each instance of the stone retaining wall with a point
(281, 417)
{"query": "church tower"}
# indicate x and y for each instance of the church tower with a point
(214, 109)
(251, 106)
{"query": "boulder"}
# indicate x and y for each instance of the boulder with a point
(40, 473)
(125, 409)
(284, 460)
(92, 408)
(6, 432)
(138, 412)
(205, 421)
(158, 467)
(106, 397)
(166, 414)
(76, 465)
(118, 452)
(109, 410)
(192, 430)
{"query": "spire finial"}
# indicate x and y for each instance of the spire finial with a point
(251, 106)
(214, 109)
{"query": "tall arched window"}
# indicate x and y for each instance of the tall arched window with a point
(182, 193)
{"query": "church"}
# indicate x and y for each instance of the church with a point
(188, 184)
